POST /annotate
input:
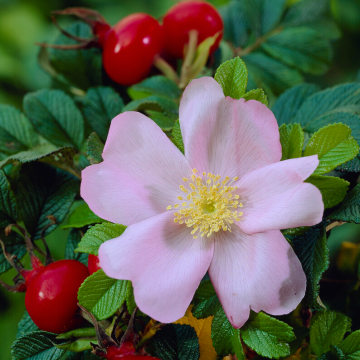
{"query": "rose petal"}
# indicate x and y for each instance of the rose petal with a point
(275, 197)
(163, 261)
(140, 175)
(226, 136)
(258, 272)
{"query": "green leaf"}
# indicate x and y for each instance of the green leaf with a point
(292, 141)
(349, 211)
(176, 342)
(81, 217)
(157, 85)
(333, 189)
(97, 235)
(8, 208)
(72, 243)
(77, 340)
(94, 149)
(16, 131)
(264, 15)
(55, 116)
(234, 15)
(327, 28)
(100, 106)
(302, 48)
(334, 354)
(129, 297)
(163, 121)
(232, 76)
(344, 117)
(267, 336)
(102, 295)
(270, 74)
(351, 166)
(334, 146)
(226, 339)
(327, 329)
(258, 95)
(82, 68)
(313, 253)
(156, 103)
(37, 345)
(341, 98)
(305, 11)
(347, 118)
(43, 190)
(15, 245)
(288, 103)
(351, 346)
(48, 153)
(25, 326)
(177, 137)
(206, 302)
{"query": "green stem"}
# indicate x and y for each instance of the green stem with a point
(166, 69)
(189, 58)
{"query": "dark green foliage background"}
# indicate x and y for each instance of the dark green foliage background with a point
(22, 23)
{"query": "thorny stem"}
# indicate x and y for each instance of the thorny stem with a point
(85, 14)
(67, 34)
(12, 259)
(29, 243)
(257, 43)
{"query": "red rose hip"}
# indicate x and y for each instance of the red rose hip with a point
(51, 296)
(130, 48)
(93, 264)
(191, 15)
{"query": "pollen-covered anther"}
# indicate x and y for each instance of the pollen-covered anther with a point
(210, 204)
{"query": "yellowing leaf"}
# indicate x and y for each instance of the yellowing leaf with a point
(203, 331)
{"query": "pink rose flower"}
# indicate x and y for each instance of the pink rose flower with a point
(219, 208)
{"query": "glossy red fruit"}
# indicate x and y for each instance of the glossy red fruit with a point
(51, 296)
(130, 48)
(191, 15)
(93, 264)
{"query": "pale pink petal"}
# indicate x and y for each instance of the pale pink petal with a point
(226, 136)
(115, 196)
(275, 197)
(140, 175)
(163, 261)
(258, 272)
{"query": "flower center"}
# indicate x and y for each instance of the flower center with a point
(208, 204)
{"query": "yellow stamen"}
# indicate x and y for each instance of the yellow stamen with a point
(210, 206)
